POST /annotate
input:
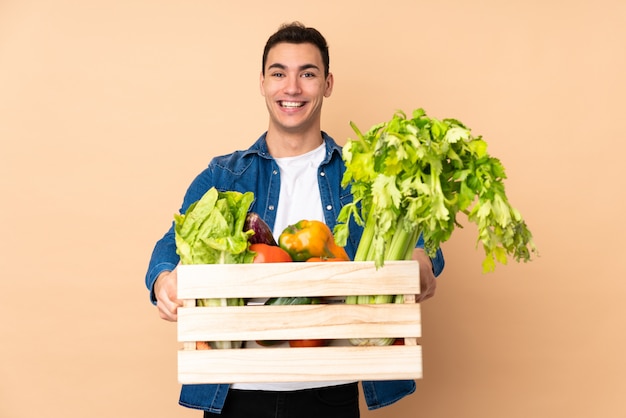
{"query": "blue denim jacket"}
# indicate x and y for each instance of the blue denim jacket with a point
(255, 170)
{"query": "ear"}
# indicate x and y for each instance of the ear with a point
(330, 81)
(261, 80)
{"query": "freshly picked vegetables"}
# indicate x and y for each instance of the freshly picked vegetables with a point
(308, 239)
(211, 231)
(295, 301)
(261, 232)
(415, 175)
(262, 242)
(266, 253)
(412, 176)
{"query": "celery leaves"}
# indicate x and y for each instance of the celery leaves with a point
(416, 175)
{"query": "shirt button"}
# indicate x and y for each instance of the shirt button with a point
(271, 207)
(274, 172)
(329, 207)
(322, 174)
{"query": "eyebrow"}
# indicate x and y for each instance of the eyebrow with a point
(301, 68)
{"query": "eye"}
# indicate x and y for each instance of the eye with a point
(308, 75)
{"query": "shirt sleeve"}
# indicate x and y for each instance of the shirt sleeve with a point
(164, 258)
(437, 260)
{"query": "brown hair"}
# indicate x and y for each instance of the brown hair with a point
(297, 33)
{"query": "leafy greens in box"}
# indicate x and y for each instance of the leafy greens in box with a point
(415, 175)
(211, 231)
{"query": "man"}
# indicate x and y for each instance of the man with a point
(294, 171)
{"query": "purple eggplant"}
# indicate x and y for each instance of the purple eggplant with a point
(262, 232)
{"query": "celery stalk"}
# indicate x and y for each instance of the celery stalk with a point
(222, 302)
(399, 248)
(418, 173)
(415, 174)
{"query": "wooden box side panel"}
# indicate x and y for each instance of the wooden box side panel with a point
(328, 321)
(300, 364)
(290, 322)
(297, 279)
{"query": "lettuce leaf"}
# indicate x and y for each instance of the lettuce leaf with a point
(211, 230)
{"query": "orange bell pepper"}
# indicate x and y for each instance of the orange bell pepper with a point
(307, 239)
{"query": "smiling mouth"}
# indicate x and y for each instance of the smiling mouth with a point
(290, 105)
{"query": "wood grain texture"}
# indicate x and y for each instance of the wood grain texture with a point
(297, 279)
(332, 321)
(300, 364)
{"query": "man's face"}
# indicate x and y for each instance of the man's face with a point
(294, 87)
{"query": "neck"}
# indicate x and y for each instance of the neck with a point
(284, 144)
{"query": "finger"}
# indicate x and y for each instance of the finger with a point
(427, 290)
(174, 300)
(167, 311)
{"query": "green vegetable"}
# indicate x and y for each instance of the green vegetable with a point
(355, 300)
(211, 231)
(293, 300)
(414, 175)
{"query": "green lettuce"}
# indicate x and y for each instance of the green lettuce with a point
(211, 232)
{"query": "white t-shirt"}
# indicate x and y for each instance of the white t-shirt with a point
(299, 199)
(299, 189)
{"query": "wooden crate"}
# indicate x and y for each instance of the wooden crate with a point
(327, 321)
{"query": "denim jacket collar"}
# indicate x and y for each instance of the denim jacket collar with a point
(260, 148)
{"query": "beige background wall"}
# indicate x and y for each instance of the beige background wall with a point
(108, 109)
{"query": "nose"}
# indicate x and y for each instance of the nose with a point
(292, 85)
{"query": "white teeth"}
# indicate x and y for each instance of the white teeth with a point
(292, 104)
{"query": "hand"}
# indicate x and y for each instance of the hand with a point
(165, 292)
(428, 282)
